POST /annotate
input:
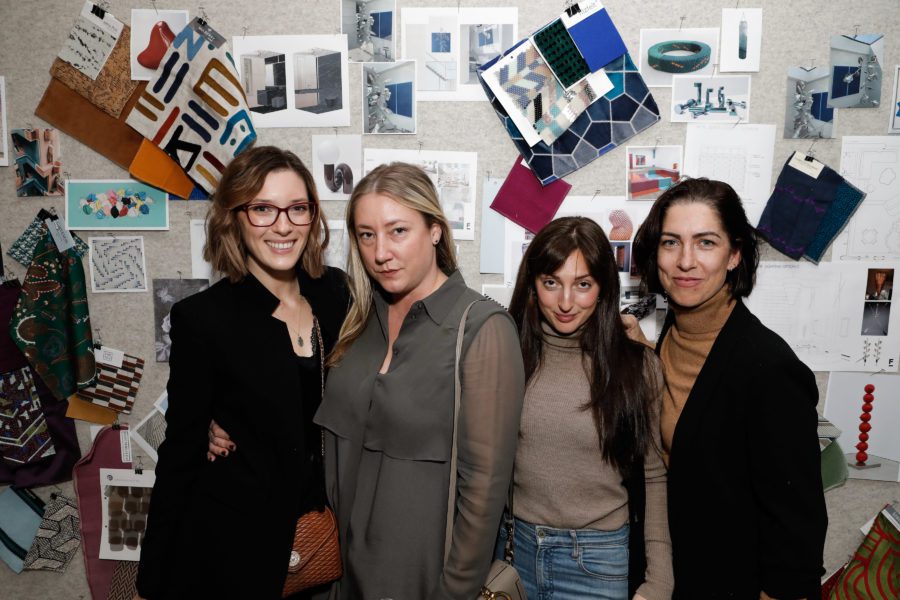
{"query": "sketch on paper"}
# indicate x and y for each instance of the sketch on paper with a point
(294, 80)
(117, 264)
(450, 44)
(389, 97)
(336, 165)
(871, 163)
(369, 27)
(740, 156)
(821, 312)
(453, 174)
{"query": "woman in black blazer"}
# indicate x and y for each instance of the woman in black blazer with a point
(247, 353)
(746, 506)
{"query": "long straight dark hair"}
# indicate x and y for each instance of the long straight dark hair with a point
(623, 383)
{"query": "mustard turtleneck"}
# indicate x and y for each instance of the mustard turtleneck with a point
(683, 354)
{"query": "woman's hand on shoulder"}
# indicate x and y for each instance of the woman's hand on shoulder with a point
(220, 443)
(633, 330)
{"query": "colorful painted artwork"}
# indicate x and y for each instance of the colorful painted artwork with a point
(106, 204)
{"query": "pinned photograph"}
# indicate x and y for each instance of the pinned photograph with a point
(369, 27)
(806, 114)
(389, 97)
(651, 170)
(894, 125)
(741, 39)
(880, 284)
(294, 80)
(166, 292)
(38, 155)
(449, 45)
(724, 98)
(856, 72)
(117, 264)
(336, 165)
(105, 204)
(668, 52)
(152, 32)
(125, 504)
(4, 133)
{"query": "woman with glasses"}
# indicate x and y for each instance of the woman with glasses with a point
(248, 353)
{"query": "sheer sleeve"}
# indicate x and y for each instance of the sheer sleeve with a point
(659, 578)
(493, 382)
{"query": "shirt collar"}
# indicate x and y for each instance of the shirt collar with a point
(437, 305)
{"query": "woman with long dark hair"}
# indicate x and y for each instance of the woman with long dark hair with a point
(589, 495)
(746, 506)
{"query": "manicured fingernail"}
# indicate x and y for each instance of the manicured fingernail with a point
(224, 452)
(233, 448)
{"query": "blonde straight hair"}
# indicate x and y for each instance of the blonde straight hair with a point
(411, 187)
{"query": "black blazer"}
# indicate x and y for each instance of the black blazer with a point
(227, 526)
(746, 506)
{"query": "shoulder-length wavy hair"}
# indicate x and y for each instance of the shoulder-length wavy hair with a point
(623, 386)
(241, 181)
(410, 186)
(724, 201)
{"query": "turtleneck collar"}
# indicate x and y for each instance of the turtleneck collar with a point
(553, 338)
(707, 317)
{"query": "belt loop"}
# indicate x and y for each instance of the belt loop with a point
(575, 549)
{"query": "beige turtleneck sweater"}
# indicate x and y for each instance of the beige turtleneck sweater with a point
(560, 480)
(683, 354)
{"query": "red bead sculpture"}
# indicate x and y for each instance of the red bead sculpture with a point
(865, 426)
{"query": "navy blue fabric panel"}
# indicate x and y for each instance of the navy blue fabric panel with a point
(382, 25)
(400, 101)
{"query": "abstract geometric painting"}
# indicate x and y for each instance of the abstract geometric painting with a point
(117, 264)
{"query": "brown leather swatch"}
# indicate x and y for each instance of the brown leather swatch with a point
(113, 86)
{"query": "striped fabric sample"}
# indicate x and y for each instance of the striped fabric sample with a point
(195, 109)
(58, 537)
(24, 436)
(538, 95)
(123, 582)
(116, 387)
(20, 518)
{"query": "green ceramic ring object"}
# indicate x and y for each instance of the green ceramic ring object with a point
(658, 58)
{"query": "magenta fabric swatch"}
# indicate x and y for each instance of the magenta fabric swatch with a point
(106, 453)
(523, 200)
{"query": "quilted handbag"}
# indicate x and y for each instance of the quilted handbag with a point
(623, 112)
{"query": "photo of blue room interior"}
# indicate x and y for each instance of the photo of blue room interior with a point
(369, 25)
(390, 97)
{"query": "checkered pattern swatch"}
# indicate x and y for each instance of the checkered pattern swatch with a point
(539, 96)
(195, 109)
(24, 437)
(116, 387)
(58, 537)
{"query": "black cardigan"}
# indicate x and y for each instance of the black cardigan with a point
(746, 506)
(226, 527)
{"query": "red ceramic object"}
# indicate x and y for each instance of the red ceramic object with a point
(161, 38)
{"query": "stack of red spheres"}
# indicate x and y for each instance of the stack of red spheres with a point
(865, 426)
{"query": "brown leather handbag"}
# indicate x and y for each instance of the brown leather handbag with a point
(315, 552)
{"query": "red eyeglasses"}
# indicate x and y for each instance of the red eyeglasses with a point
(262, 214)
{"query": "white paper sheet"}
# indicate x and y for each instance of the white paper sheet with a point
(200, 269)
(448, 44)
(338, 245)
(740, 155)
(843, 406)
(741, 36)
(453, 174)
(125, 502)
(91, 40)
(311, 95)
(871, 163)
(492, 228)
(822, 311)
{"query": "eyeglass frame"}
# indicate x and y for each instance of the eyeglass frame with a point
(313, 211)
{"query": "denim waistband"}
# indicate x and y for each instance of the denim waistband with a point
(550, 536)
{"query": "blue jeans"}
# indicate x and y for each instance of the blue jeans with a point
(567, 564)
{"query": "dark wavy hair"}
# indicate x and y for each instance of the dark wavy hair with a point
(724, 201)
(623, 385)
